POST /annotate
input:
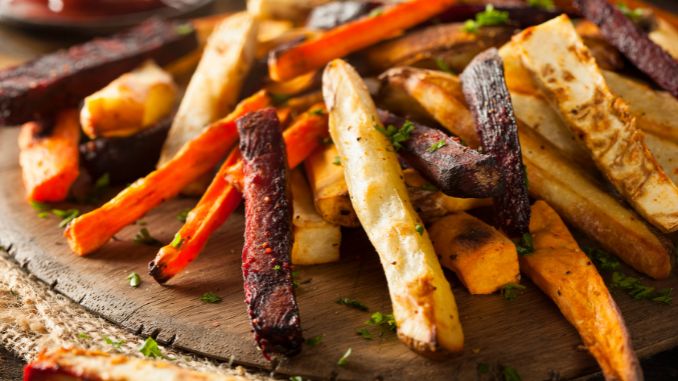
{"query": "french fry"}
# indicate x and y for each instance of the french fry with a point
(564, 273)
(666, 152)
(666, 36)
(588, 207)
(223, 196)
(133, 102)
(49, 164)
(352, 36)
(215, 85)
(423, 304)
(568, 75)
(484, 259)
(92, 230)
(316, 241)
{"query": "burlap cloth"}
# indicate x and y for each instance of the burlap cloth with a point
(33, 317)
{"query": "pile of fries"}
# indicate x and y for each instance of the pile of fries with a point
(402, 118)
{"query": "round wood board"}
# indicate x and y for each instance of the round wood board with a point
(527, 333)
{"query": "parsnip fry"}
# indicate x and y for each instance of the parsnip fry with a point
(49, 164)
(316, 241)
(350, 37)
(564, 273)
(568, 75)
(423, 304)
(215, 85)
(92, 230)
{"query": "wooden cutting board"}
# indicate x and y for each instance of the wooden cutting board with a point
(528, 333)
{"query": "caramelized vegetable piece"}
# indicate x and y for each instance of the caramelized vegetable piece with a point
(266, 262)
(350, 37)
(49, 163)
(483, 258)
(457, 170)
(569, 77)
(564, 273)
(62, 79)
(634, 43)
(223, 196)
(489, 100)
(92, 230)
(133, 102)
(423, 305)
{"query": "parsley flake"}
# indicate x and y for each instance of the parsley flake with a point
(337, 160)
(443, 66)
(134, 280)
(150, 349)
(210, 297)
(352, 303)
(177, 241)
(115, 344)
(383, 320)
(543, 4)
(145, 238)
(66, 216)
(525, 245)
(419, 228)
(315, 340)
(184, 29)
(511, 291)
(436, 146)
(296, 378)
(183, 215)
(318, 112)
(510, 374)
(376, 12)
(84, 336)
(397, 135)
(277, 268)
(488, 17)
(634, 15)
(364, 333)
(343, 360)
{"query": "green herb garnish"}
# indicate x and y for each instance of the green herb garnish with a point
(525, 245)
(637, 290)
(397, 135)
(66, 216)
(150, 349)
(383, 320)
(419, 228)
(543, 4)
(177, 241)
(115, 344)
(364, 333)
(376, 12)
(603, 260)
(144, 237)
(510, 374)
(280, 99)
(443, 66)
(277, 268)
(134, 280)
(183, 215)
(184, 29)
(84, 336)
(318, 112)
(429, 187)
(488, 17)
(511, 291)
(210, 297)
(337, 160)
(436, 146)
(634, 15)
(296, 378)
(343, 360)
(348, 302)
(315, 340)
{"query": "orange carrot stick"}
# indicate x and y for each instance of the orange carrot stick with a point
(91, 231)
(221, 198)
(49, 164)
(351, 37)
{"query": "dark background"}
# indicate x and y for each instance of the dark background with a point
(661, 367)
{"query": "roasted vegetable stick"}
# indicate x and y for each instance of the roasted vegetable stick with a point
(316, 241)
(215, 85)
(666, 153)
(266, 262)
(439, 94)
(484, 259)
(223, 195)
(92, 230)
(572, 82)
(588, 207)
(634, 43)
(133, 102)
(348, 38)
(490, 102)
(666, 36)
(49, 164)
(564, 273)
(295, 10)
(62, 79)
(423, 304)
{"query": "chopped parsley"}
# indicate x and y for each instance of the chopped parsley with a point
(488, 17)
(177, 241)
(429, 187)
(145, 238)
(443, 66)
(296, 378)
(379, 319)
(66, 216)
(343, 360)
(364, 333)
(84, 336)
(210, 297)
(150, 349)
(352, 303)
(397, 135)
(543, 4)
(280, 99)
(483, 368)
(525, 245)
(184, 29)
(419, 228)
(277, 268)
(183, 215)
(603, 260)
(376, 12)
(512, 290)
(436, 146)
(315, 340)
(115, 344)
(337, 160)
(634, 15)
(510, 374)
(318, 112)
(134, 280)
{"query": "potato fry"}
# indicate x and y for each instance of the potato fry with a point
(423, 305)
(564, 273)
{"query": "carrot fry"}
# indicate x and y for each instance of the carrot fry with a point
(223, 195)
(351, 37)
(91, 231)
(50, 164)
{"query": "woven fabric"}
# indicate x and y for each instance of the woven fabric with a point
(33, 318)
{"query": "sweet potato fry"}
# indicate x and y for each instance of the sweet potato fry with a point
(49, 163)
(223, 196)
(92, 230)
(564, 273)
(350, 37)
(423, 305)
(484, 259)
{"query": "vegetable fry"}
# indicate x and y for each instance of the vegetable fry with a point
(215, 85)
(483, 258)
(316, 241)
(567, 276)
(49, 164)
(133, 102)
(350, 37)
(92, 230)
(423, 304)
(490, 102)
(266, 263)
(566, 72)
